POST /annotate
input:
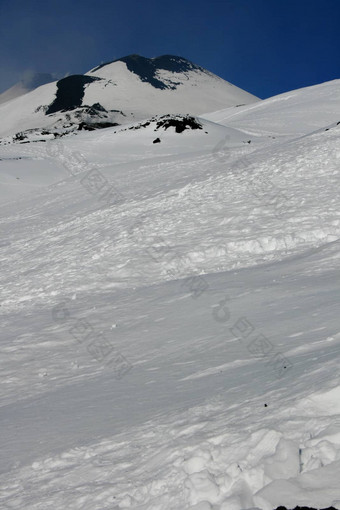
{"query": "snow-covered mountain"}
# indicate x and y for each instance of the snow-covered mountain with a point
(129, 89)
(170, 311)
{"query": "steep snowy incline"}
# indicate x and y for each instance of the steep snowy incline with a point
(25, 112)
(292, 114)
(177, 86)
(170, 329)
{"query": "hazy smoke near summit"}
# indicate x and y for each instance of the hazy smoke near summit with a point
(32, 79)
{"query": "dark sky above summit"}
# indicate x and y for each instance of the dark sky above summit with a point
(263, 46)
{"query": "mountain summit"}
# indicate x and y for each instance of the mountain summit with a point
(148, 68)
(129, 89)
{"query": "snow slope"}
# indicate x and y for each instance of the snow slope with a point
(170, 327)
(133, 142)
(30, 82)
(132, 88)
(293, 113)
(191, 89)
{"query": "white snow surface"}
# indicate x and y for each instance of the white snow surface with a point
(196, 91)
(174, 344)
(297, 112)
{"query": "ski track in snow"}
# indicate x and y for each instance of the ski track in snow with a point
(216, 244)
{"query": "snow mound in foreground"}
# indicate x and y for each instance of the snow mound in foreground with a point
(195, 460)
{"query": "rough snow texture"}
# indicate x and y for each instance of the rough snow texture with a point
(170, 325)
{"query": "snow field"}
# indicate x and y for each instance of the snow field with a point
(216, 269)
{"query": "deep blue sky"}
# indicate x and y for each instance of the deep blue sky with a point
(263, 46)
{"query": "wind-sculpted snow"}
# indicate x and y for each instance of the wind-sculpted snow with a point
(170, 328)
